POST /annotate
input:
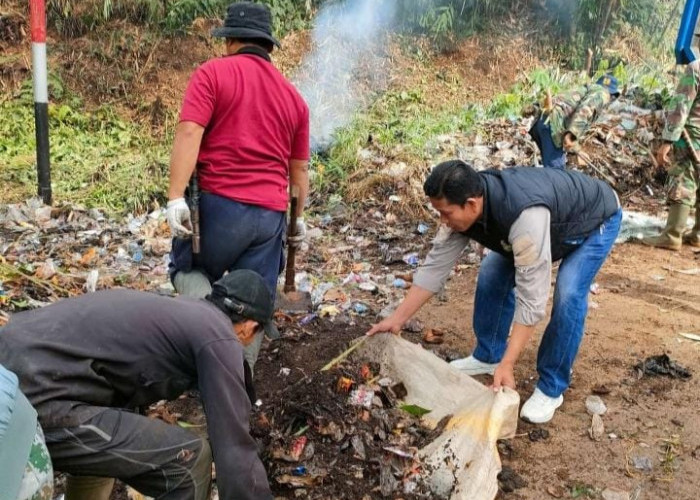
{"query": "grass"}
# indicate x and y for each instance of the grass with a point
(97, 159)
(100, 160)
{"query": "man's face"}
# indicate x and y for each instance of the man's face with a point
(457, 217)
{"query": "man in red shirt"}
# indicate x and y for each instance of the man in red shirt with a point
(244, 132)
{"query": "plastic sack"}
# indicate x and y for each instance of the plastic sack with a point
(462, 463)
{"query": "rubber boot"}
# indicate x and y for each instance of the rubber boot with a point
(693, 237)
(672, 235)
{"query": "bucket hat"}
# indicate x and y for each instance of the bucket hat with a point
(247, 20)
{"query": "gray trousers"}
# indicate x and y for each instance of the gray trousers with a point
(196, 285)
(157, 459)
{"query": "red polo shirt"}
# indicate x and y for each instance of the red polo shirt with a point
(255, 122)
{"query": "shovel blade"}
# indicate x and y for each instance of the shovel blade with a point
(293, 302)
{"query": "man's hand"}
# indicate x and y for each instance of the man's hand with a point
(503, 376)
(390, 324)
(179, 219)
(569, 141)
(299, 234)
(662, 154)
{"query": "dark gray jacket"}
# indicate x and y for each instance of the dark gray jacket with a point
(125, 349)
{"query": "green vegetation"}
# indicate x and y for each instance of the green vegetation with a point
(72, 18)
(97, 159)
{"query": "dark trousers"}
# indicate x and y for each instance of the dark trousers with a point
(552, 156)
(234, 236)
(159, 460)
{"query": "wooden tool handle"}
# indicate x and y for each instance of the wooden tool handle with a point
(289, 285)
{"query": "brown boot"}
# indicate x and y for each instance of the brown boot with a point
(693, 237)
(672, 235)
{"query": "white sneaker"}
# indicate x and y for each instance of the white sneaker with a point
(472, 366)
(540, 408)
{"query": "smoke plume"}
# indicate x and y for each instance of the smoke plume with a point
(347, 63)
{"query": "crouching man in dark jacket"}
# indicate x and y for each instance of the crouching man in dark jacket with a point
(86, 363)
(528, 218)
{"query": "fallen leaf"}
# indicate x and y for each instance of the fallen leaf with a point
(415, 410)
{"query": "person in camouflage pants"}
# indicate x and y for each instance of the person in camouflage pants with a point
(37, 483)
(557, 129)
(683, 185)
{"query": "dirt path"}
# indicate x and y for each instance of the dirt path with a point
(641, 308)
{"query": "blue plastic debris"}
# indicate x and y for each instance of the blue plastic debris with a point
(422, 228)
(360, 308)
(299, 471)
(400, 283)
(411, 259)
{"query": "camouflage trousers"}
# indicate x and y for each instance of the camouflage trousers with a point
(683, 183)
(37, 483)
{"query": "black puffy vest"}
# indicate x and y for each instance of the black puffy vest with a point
(578, 205)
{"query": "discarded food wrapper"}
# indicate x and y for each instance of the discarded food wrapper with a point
(411, 259)
(367, 286)
(299, 471)
(308, 319)
(297, 447)
(360, 308)
(362, 396)
(329, 311)
(344, 384)
(595, 405)
(400, 283)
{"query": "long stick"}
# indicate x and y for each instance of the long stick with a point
(344, 354)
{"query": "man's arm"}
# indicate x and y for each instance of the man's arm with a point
(183, 158)
(532, 253)
(299, 177)
(681, 103)
(240, 473)
(428, 279)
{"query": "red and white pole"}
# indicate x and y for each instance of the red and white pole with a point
(37, 16)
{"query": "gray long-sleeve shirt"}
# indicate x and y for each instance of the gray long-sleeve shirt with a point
(530, 240)
(124, 349)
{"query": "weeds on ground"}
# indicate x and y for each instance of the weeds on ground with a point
(97, 159)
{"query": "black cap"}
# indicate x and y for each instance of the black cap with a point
(243, 293)
(247, 20)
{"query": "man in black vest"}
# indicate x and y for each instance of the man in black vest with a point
(528, 218)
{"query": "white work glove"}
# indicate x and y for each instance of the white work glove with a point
(179, 219)
(298, 235)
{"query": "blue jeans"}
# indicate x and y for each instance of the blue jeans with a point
(552, 156)
(494, 306)
(234, 236)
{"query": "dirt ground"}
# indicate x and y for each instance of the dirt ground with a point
(642, 305)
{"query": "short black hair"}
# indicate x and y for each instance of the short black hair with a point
(455, 181)
(260, 42)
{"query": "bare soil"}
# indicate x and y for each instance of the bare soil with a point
(642, 305)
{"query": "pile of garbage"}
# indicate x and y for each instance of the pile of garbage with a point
(344, 430)
(617, 148)
(53, 252)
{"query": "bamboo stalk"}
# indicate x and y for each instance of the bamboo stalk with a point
(344, 354)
